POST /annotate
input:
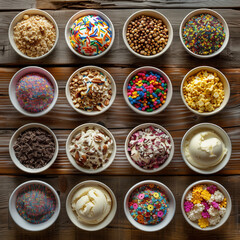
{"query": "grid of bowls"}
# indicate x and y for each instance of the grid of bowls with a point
(70, 213)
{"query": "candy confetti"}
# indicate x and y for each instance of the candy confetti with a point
(203, 34)
(35, 203)
(148, 204)
(147, 91)
(90, 35)
(34, 92)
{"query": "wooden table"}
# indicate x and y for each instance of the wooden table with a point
(120, 176)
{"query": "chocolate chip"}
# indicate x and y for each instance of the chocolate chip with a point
(34, 148)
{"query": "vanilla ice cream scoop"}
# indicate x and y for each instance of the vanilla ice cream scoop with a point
(91, 204)
(205, 149)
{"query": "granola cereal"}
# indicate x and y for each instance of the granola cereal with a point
(204, 91)
(34, 35)
(91, 148)
(90, 90)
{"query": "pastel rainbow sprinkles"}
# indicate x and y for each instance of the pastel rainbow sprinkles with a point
(90, 35)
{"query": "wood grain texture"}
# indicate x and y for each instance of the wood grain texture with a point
(176, 56)
(119, 228)
(120, 120)
(16, 5)
(80, 4)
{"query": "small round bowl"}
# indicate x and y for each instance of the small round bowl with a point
(85, 226)
(20, 221)
(14, 139)
(143, 126)
(220, 132)
(169, 93)
(150, 13)
(12, 89)
(18, 17)
(169, 216)
(93, 113)
(213, 13)
(221, 76)
(81, 14)
(228, 210)
(72, 160)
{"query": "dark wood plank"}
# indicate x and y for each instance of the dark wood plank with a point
(120, 228)
(119, 119)
(119, 54)
(17, 5)
(75, 4)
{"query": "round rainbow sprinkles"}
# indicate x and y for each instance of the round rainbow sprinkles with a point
(90, 35)
(148, 204)
(34, 92)
(36, 203)
(203, 34)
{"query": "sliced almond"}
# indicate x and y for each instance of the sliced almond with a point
(105, 148)
(77, 157)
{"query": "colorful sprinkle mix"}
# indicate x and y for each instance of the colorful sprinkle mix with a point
(35, 203)
(203, 34)
(205, 205)
(150, 210)
(90, 35)
(147, 91)
(34, 92)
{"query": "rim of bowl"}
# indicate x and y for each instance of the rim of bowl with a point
(83, 13)
(222, 189)
(147, 228)
(169, 93)
(220, 132)
(15, 159)
(31, 227)
(33, 12)
(226, 89)
(162, 17)
(91, 227)
(141, 126)
(72, 160)
(94, 113)
(12, 89)
(215, 14)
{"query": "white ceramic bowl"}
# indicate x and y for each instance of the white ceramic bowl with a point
(225, 193)
(213, 13)
(14, 139)
(169, 93)
(224, 80)
(151, 13)
(169, 216)
(85, 226)
(20, 221)
(93, 113)
(19, 17)
(72, 160)
(12, 89)
(143, 126)
(81, 14)
(221, 133)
